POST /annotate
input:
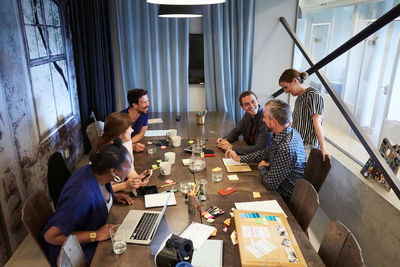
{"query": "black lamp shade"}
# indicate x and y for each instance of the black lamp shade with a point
(180, 11)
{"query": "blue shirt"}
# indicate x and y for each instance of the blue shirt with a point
(287, 160)
(81, 207)
(143, 120)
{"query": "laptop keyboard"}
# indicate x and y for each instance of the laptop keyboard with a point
(144, 227)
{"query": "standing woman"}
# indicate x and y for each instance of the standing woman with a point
(308, 109)
(86, 200)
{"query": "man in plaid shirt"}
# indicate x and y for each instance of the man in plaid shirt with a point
(285, 160)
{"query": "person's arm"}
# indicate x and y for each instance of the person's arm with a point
(255, 157)
(55, 236)
(278, 170)
(316, 118)
(263, 138)
(234, 134)
(139, 147)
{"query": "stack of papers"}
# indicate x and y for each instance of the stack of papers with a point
(152, 133)
(198, 233)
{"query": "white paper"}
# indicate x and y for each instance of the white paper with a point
(260, 248)
(158, 200)
(154, 121)
(198, 233)
(186, 162)
(262, 206)
(233, 177)
(255, 232)
(229, 162)
(152, 133)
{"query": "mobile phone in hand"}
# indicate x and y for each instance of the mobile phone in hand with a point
(148, 174)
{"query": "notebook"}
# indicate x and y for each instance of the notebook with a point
(233, 166)
(209, 254)
(158, 200)
(141, 225)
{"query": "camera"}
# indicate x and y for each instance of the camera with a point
(176, 249)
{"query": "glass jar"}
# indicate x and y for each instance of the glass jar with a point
(197, 162)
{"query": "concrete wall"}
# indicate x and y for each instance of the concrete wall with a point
(23, 161)
(273, 47)
(371, 218)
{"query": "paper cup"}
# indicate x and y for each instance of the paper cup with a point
(170, 157)
(165, 168)
(176, 141)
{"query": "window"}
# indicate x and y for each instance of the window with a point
(196, 59)
(366, 77)
(47, 63)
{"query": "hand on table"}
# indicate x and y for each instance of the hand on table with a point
(223, 144)
(263, 163)
(138, 147)
(103, 233)
(232, 154)
(123, 199)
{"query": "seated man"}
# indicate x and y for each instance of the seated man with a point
(138, 111)
(285, 160)
(251, 127)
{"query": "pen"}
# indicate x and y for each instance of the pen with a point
(164, 185)
(153, 169)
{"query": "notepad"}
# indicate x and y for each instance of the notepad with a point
(152, 133)
(198, 233)
(233, 166)
(158, 200)
(154, 121)
(209, 254)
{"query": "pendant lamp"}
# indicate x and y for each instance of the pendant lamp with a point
(180, 11)
(185, 2)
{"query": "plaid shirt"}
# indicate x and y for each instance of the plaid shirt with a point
(287, 160)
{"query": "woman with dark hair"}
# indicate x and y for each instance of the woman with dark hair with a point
(308, 110)
(119, 125)
(86, 200)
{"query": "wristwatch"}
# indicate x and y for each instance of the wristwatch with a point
(92, 236)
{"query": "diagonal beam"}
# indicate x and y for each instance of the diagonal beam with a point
(355, 126)
(362, 35)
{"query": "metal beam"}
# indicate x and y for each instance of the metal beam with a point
(355, 126)
(362, 35)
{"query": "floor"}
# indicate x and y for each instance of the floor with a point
(29, 254)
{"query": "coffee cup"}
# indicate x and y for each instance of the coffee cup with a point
(165, 167)
(176, 141)
(172, 132)
(170, 157)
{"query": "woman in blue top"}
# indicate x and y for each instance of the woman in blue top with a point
(86, 200)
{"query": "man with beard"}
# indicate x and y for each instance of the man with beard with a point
(251, 127)
(138, 111)
(285, 160)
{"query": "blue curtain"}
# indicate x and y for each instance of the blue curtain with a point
(154, 54)
(228, 54)
(94, 65)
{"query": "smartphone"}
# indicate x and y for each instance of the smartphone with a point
(147, 175)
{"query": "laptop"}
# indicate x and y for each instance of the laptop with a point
(141, 225)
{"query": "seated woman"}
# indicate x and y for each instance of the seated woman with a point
(119, 125)
(85, 201)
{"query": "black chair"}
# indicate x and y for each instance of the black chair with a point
(57, 175)
(317, 170)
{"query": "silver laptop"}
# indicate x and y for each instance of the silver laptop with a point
(141, 225)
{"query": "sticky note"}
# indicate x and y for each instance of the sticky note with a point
(186, 162)
(233, 177)
(159, 161)
(256, 195)
(154, 166)
(163, 147)
(202, 155)
(216, 169)
(214, 233)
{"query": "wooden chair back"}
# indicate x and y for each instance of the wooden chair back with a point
(317, 170)
(339, 247)
(71, 254)
(94, 131)
(35, 213)
(304, 203)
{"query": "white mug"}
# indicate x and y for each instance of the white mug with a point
(172, 132)
(165, 168)
(170, 157)
(176, 141)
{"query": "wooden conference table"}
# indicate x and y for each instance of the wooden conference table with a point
(177, 218)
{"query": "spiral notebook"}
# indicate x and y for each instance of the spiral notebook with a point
(209, 254)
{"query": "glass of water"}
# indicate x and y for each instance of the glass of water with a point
(118, 239)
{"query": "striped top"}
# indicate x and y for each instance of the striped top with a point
(306, 105)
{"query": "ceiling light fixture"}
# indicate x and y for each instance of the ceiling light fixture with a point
(180, 11)
(185, 2)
